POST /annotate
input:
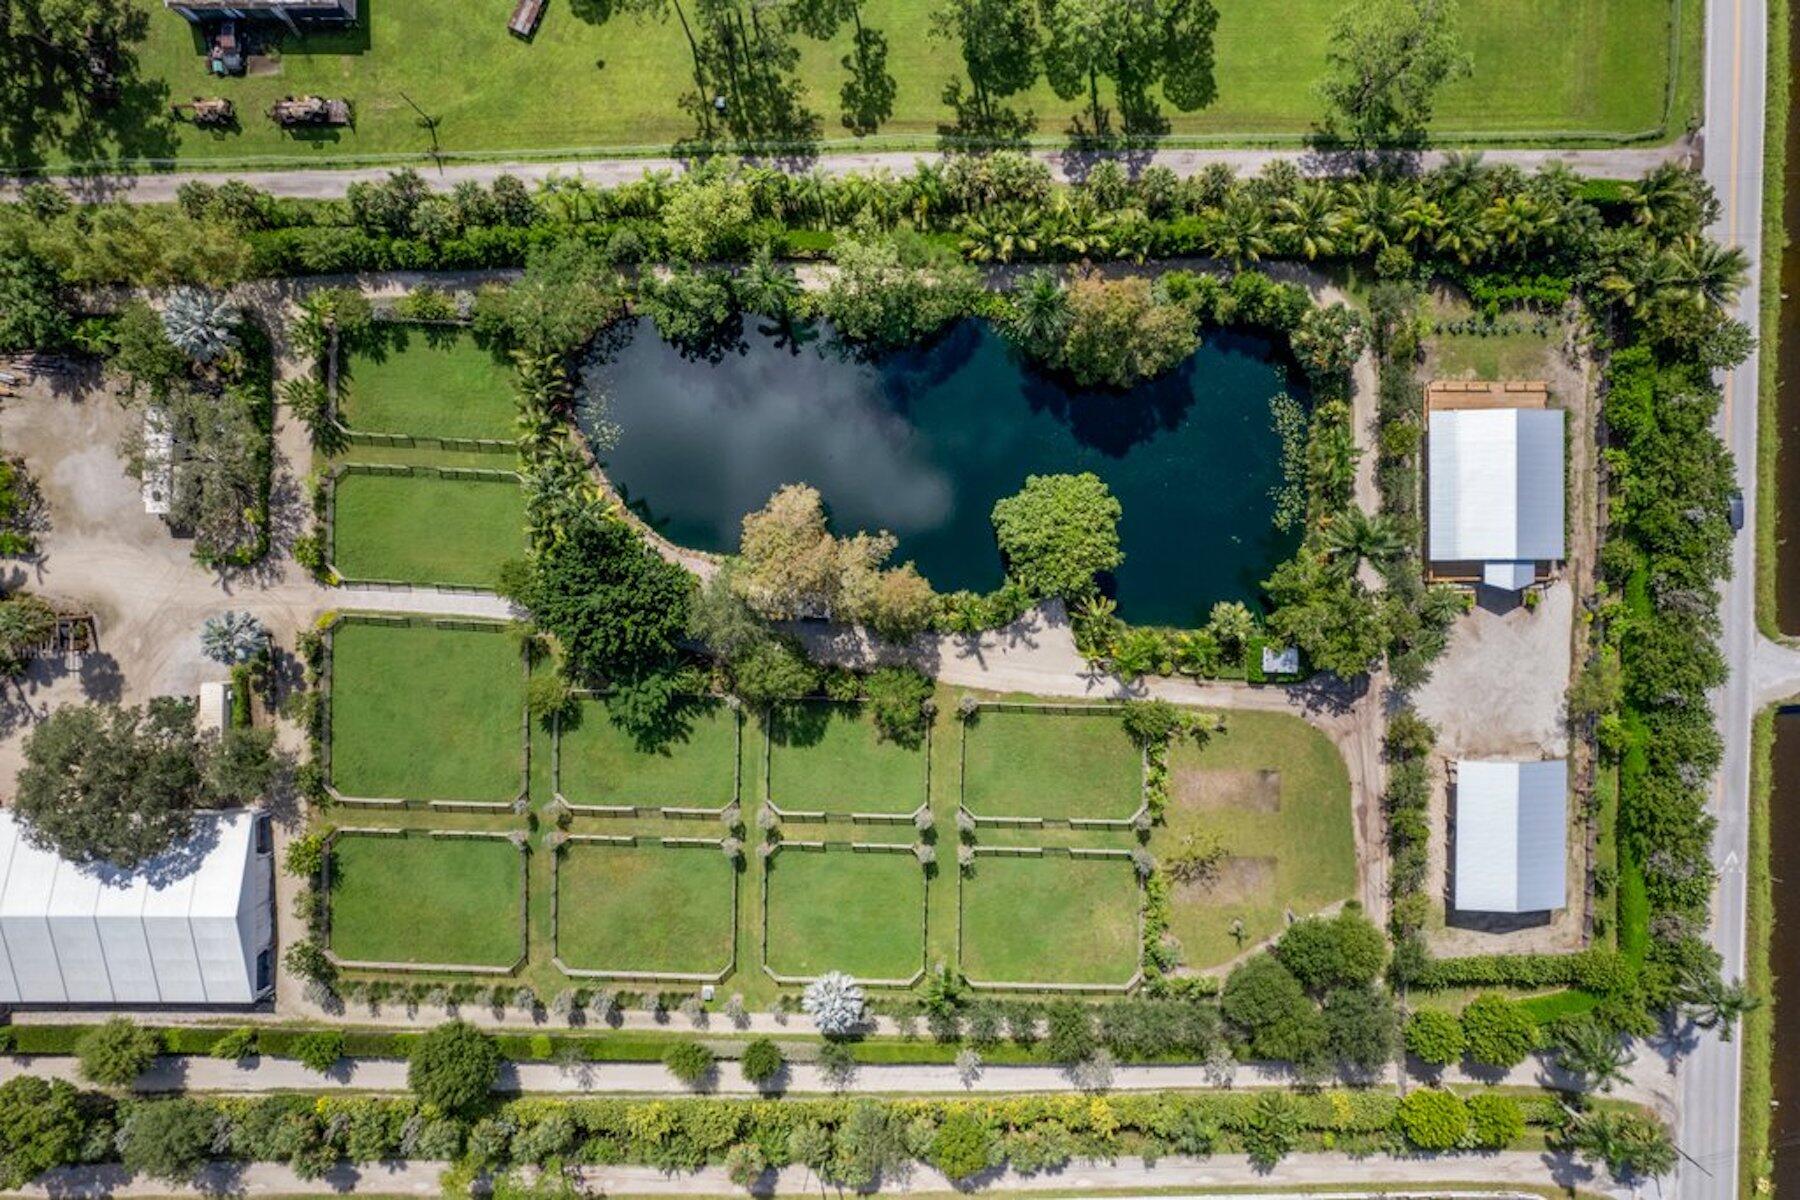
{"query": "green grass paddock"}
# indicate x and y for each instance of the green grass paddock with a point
(1050, 920)
(827, 757)
(425, 528)
(1540, 67)
(838, 910)
(428, 382)
(1050, 764)
(693, 765)
(420, 899)
(1301, 856)
(421, 713)
(644, 908)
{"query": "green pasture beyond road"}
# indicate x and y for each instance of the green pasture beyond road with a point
(1544, 69)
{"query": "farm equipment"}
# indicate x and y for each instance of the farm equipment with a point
(206, 111)
(309, 110)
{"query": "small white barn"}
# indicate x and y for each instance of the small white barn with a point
(192, 927)
(1511, 836)
(214, 713)
(1496, 493)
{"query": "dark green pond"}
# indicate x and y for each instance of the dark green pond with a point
(922, 444)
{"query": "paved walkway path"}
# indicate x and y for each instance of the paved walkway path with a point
(1312, 1175)
(312, 183)
(195, 1073)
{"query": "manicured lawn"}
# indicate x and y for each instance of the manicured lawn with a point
(426, 529)
(434, 382)
(644, 908)
(1276, 793)
(1052, 765)
(694, 767)
(420, 713)
(826, 757)
(420, 899)
(1050, 920)
(1539, 66)
(837, 910)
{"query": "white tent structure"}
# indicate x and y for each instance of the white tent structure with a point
(1511, 836)
(194, 926)
(1496, 490)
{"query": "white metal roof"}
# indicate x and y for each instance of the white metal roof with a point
(185, 928)
(1511, 836)
(1496, 485)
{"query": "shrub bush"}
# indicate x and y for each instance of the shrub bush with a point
(1499, 1032)
(1434, 1036)
(762, 1062)
(453, 1067)
(116, 1053)
(1495, 1121)
(1434, 1119)
(690, 1062)
(961, 1147)
(319, 1050)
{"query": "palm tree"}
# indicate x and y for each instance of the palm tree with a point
(1707, 272)
(769, 287)
(1370, 215)
(1711, 1003)
(1331, 456)
(1595, 1053)
(1040, 313)
(1001, 236)
(1354, 535)
(1240, 231)
(1309, 221)
(233, 637)
(1663, 199)
(198, 323)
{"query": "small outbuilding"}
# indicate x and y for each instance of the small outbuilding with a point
(1511, 836)
(194, 926)
(1495, 474)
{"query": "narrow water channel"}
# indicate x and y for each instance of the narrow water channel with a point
(1784, 949)
(1787, 351)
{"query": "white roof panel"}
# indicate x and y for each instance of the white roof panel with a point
(1511, 836)
(1496, 484)
(185, 928)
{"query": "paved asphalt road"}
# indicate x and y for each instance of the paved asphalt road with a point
(1708, 1096)
(328, 183)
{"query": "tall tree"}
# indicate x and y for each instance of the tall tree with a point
(1138, 44)
(999, 41)
(1385, 63)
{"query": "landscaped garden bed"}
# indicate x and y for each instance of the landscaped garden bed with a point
(428, 382)
(1050, 763)
(1050, 920)
(423, 900)
(419, 526)
(838, 909)
(1275, 794)
(647, 909)
(422, 711)
(695, 764)
(827, 757)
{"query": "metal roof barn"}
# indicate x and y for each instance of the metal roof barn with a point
(193, 926)
(1511, 836)
(1496, 488)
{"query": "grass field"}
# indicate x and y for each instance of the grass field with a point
(644, 908)
(420, 713)
(599, 763)
(1541, 67)
(426, 529)
(826, 757)
(838, 910)
(419, 899)
(1050, 920)
(427, 382)
(1052, 765)
(1288, 839)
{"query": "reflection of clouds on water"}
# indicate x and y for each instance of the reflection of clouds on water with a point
(735, 436)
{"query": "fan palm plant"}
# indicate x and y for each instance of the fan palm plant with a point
(1354, 535)
(233, 637)
(1309, 221)
(1706, 272)
(198, 323)
(1040, 313)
